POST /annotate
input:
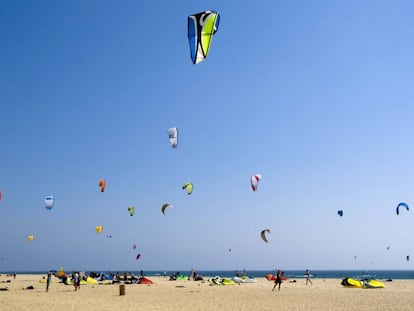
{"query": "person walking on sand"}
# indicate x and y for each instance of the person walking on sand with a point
(278, 280)
(307, 274)
(76, 281)
(49, 276)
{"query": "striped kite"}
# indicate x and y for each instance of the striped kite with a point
(201, 28)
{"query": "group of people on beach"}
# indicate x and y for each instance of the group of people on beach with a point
(77, 277)
(280, 275)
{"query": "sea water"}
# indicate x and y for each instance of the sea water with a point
(319, 274)
(291, 274)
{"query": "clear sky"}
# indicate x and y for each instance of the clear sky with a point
(317, 96)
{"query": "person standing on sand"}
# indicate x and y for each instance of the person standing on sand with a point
(307, 274)
(48, 279)
(278, 280)
(79, 279)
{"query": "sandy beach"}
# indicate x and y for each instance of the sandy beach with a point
(324, 294)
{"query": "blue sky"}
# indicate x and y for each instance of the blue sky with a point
(317, 96)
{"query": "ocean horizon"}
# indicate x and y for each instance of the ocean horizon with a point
(291, 274)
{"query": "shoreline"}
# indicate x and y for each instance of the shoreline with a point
(292, 274)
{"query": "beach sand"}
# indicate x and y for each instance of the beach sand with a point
(189, 295)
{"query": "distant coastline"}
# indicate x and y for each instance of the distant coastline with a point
(291, 274)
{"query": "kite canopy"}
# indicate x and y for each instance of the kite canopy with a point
(98, 229)
(263, 235)
(1, 196)
(30, 237)
(340, 213)
(365, 283)
(102, 185)
(403, 205)
(60, 273)
(173, 136)
(131, 210)
(408, 258)
(201, 28)
(49, 202)
(109, 236)
(138, 255)
(189, 187)
(254, 181)
(164, 207)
